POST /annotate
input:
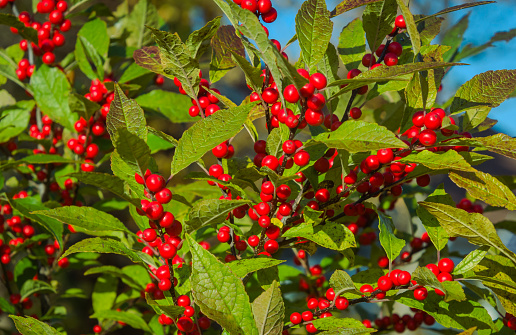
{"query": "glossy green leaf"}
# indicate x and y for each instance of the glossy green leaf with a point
(331, 235)
(469, 50)
(223, 44)
(341, 282)
(133, 151)
(484, 91)
(210, 212)
(7, 306)
(173, 106)
(454, 291)
(85, 217)
(485, 187)
(313, 31)
(107, 182)
(439, 160)
(476, 228)
(348, 5)
(83, 107)
(219, 294)
(104, 293)
(102, 245)
(435, 231)
(360, 136)
(30, 326)
(28, 205)
(427, 278)
(347, 326)
(125, 113)
(14, 119)
(456, 8)
(149, 58)
(392, 244)
(91, 48)
(144, 14)
(269, 311)
(471, 260)
(177, 61)
(129, 318)
(378, 18)
(351, 46)
(165, 306)
(453, 314)
(415, 39)
(207, 133)
(114, 271)
(499, 143)
(242, 267)
(196, 41)
(27, 33)
(51, 90)
(252, 74)
(429, 29)
(35, 286)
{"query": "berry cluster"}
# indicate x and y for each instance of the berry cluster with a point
(262, 8)
(399, 324)
(49, 34)
(96, 125)
(206, 102)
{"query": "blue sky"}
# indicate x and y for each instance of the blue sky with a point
(485, 21)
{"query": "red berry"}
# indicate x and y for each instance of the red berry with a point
(264, 6)
(296, 318)
(291, 94)
(62, 6)
(427, 137)
(249, 5)
(66, 25)
(400, 22)
(318, 80)
(314, 117)
(167, 250)
(221, 150)
(56, 17)
(390, 59)
(446, 265)
(433, 121)
(164, 196)
(185, 324)
(155, 183)
(48, 58)
(307, 316)
(395, 48)
(368, 60)
(418, 119)
(271, 246)
(270, 95)
(404, 278)
(355, 113)
(353, 73)
(341, 303)
(302, 158)
(420, 293)
(97, 329)
(270, 16)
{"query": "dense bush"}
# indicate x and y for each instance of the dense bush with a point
(332, 226)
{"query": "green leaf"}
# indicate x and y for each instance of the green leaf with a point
(454, 291)
(484, 91)
(14, 119)
(352, 44)
(51, 90)
(437, 234)
(91, 47)
(440, 160)
(499, 143)
(125, 113)
(107, 182)
(149, 58)
(313, 30)
(454, 37)
(242, 267)
(331, 235)
(8, 72)
(85, 217)
(6, 306)
(210, 211)
(429, 29)
(165, 306)
(269, 311)
(348, 5)
(341, 282)
(143, 14)
(125, 172)
(27, 205)
(104, 293)
(476, 228)
(223, 44)
(426, 277)
(177, 61)
(456, 8)
(195, 42)
(173, 106)
(485, 187)
(453, 314)
(114, 271)
(415, 39)
(252, 74)
(252, 28)
(133, 151)
(207, 133)
(35, 286)
(360, 136)
(30, 326)
(386, 73)
(132, 72)
(469, 50)
(392, 244)
(471, 260)
(129, 318)
(347, 326)
(219, 293)
(27, 33)
(378, 18)
(83, 107)
(102, 245)
(498, 274)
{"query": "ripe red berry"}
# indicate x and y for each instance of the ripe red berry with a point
(400, 22)
(56, 17)
(427, 137)
(446, 265)
(404, 278)
(302, 158)
(97, 329)
(353, 73)
(418, 119)
(164, 196)
(341, 303)
(62, 6)
(270, 95)
(264, 6)
(48, 58)
(271, 162)
(420, 293)
(296, 318)
(433, 121)
(385, 283)
(314, 117)
(390, 59)
(395, 48)
(251, 5)
(291, 94)
(167, 250)
(185, 324)
(368, 60)
(318, 80)
(271, 246)
(221, 150)
(155, 182)
(355, 113)
(270, 16)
